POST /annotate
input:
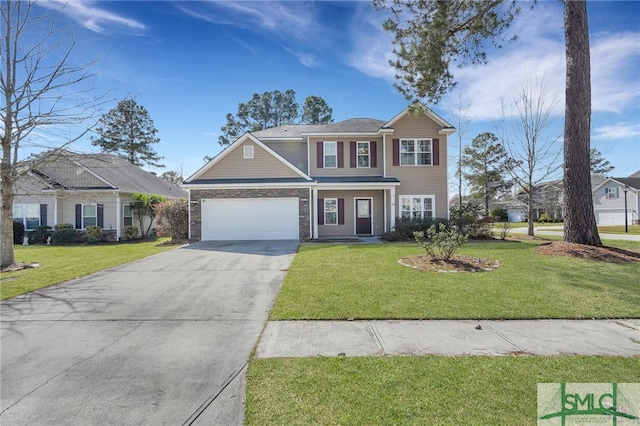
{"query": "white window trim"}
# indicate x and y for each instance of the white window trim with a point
(611, 192)
(411, 197)
(326, 211)
(368, 166)
(84, 226)
(247, 152)
(415, 151)
(324, 154)
(124, 216)
(24, 215)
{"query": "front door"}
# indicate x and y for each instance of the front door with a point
(363, 216)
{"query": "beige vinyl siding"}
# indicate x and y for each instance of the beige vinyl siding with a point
(262, 165)
(67, 207)
(294, 152)
(377, 210)
(419, 180)
(347, 170)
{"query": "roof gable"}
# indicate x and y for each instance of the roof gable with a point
(231, 163)
(420, 108)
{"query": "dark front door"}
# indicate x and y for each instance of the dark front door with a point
(363, 216)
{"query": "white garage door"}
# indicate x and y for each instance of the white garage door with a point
(610, 217)
(250, 219)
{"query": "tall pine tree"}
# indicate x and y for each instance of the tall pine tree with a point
(128, 130)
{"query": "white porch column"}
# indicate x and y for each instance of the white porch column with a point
(55, 210)
(314, 216)
(384, 211)
(393, 207)
(119, 214)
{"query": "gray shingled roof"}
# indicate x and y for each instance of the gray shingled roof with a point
(352, 125)
(633, 182)
(119, 172)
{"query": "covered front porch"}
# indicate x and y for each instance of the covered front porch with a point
(353, 206)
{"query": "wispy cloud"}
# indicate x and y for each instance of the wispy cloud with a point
(92, 17)
(539, 51)
(618, 131)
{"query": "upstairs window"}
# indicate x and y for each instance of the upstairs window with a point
(363, 155)
(415, 152)
(611, 192)
(330, 155)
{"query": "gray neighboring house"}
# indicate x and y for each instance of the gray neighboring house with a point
(354, 177)
(84, 190)
(609, 200)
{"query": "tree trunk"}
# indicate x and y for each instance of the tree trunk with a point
(6, 232)
(530, 211)
(580, 223)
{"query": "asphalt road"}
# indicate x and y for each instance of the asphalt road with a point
(163, 340)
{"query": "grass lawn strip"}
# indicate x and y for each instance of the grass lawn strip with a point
(432, 390)
(328, 281)
(63, 263)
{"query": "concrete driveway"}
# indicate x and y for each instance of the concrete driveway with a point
(162, 340)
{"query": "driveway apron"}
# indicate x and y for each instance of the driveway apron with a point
(162, 340)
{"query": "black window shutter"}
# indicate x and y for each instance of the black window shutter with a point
(100, 210)
(43, 214)
(435, 151)
(340, 155)
(320, 151)
(373, 154)
(78, 216)
(353, 153)
(320, 211)
(396, 152)
(340, 211)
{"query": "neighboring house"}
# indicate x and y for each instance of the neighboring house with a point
(548, 198)
(609, 200)
(348, 178)
(84, 190)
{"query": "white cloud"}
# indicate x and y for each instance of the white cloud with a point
(96, 19)
(618, 131)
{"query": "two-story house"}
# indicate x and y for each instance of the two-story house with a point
(354, 177)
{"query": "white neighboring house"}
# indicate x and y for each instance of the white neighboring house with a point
(84, 190)
(609, 200)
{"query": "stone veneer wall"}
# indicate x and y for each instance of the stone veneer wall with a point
(195, 214)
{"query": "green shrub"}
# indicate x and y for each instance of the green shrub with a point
(63, 234)
(441, 242)
(173, 219)
(545, 218)
(94, 234)
(465, 220)
(18, 232)
(405, 227)
(41, 233)
(130, 232)
(500, 214)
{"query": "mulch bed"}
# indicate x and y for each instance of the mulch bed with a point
(20, 266)
(602, 253)
(455, 264)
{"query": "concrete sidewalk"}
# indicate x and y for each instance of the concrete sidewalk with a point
(447, 337)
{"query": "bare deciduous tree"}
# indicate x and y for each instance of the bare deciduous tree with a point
(46, 101)
(461, 120)
(530, 141)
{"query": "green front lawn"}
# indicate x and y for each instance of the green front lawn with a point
(328, 281)
(431, 390)
(619, 229)
(63, 263)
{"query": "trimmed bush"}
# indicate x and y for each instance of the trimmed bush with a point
(500, 214)
(63, 234)
(94, 234)
(442, 242)
(41, 233)
(465, 219)
(18, 232)
(130, 232)
(405, 227)
(545, 218)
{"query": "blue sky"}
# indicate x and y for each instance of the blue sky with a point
(191, 63)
